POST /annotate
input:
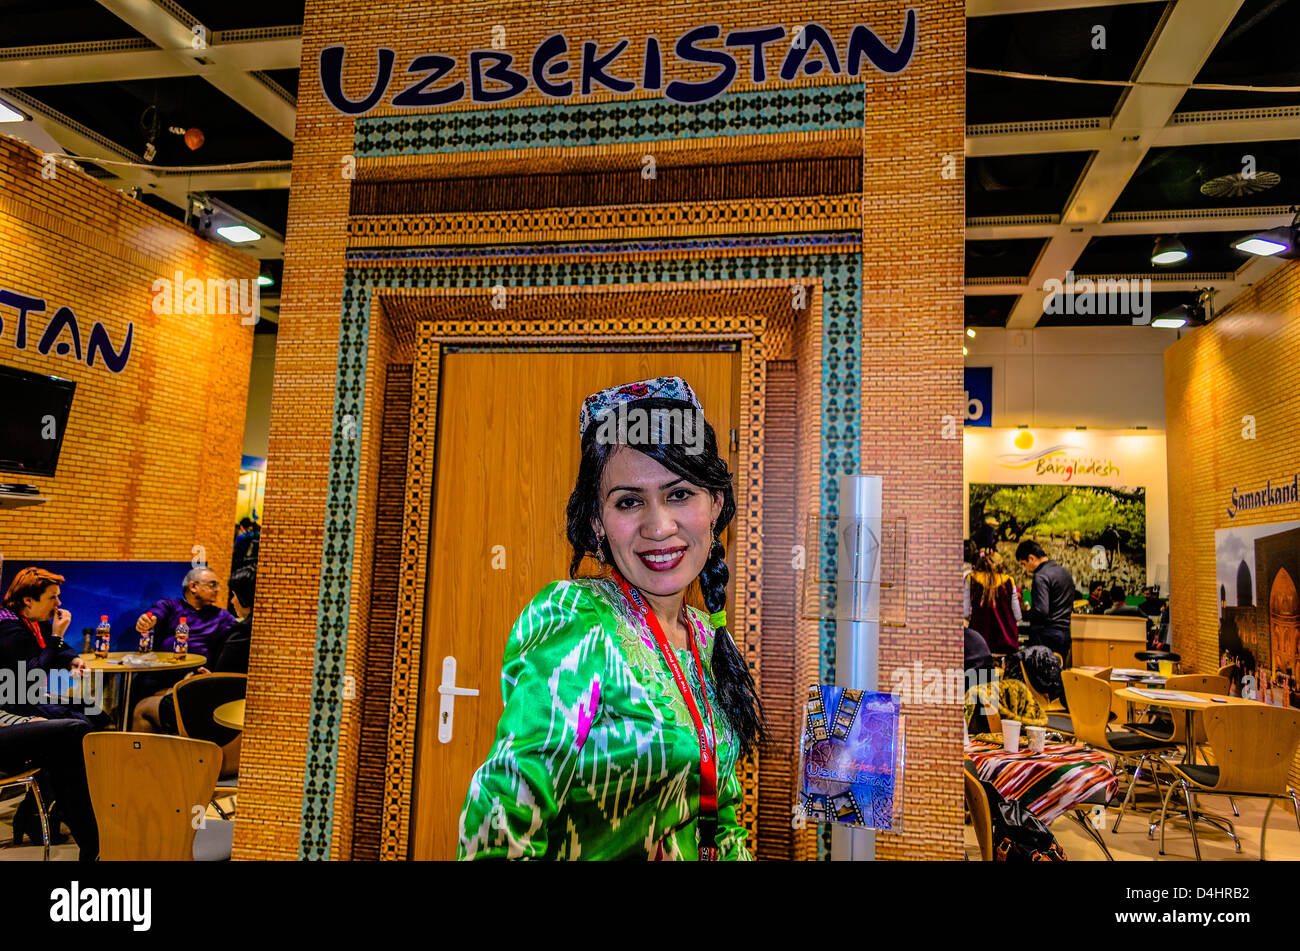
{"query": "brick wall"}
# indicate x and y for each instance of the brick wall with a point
(911, 378)
(1246, 362)
(150, 461)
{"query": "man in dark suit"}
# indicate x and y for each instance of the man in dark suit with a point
(1053, 597)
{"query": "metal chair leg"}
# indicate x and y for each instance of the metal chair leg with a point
(1096, 836)
(1263, 826)
(45, 819)
(1191, 817)
(217, 806)
(1164, 808)
(1233, 803)
(1129, 794)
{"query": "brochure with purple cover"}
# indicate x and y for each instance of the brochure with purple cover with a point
(850, 757)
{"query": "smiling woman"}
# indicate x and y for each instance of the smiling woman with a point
(626, 709)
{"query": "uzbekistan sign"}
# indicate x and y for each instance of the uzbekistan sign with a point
(559, 70)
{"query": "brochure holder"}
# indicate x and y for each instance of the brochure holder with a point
(872, 586)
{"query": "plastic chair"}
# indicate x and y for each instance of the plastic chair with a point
(1089, 698)
(146, 789)
(27, 778)
(196, 698)
(1254, 745)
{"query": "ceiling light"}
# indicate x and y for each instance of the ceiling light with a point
(264, 280)
(9, 114)
(239, 234)
(964, 351)
(1168, 250)
(1265, 243)
(1169, 321)
(970, 331)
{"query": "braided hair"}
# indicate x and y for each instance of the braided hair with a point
(737, 694)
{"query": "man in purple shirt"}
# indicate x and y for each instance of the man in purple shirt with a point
(209, 625)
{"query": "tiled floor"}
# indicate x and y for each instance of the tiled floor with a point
(1131, 842)
(67, 852)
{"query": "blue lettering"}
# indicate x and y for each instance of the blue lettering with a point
(331, 81)
(864, 42)
(551, 47)
(415, 96)
(63, 317)
(23, 304)
(593, 67)
(794, 59)
(499, 71)
(99, 343)
(756, 40)
(652, 78)
(686, 50)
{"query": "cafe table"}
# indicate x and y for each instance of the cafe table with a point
(117, 662)
(1049, 784)
(230, 715)
(1189, 701)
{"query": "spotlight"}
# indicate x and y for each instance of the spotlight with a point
(964, 351)
(1183, 315)
(970, 331)
(1168, 250)
(1281, 242)
(265, 280)
(239, 234)
(9, 114)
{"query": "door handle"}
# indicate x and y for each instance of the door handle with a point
(448, 692)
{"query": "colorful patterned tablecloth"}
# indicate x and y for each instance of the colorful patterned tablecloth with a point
(1050, 783)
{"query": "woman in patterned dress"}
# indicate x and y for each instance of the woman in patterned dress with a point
(599, 754)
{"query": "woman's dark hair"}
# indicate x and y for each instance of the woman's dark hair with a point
(243, 582)
(737, 694)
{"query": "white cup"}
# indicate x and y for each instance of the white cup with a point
(1011, 735)
(1037, 738)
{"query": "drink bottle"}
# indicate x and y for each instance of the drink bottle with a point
(102, 636)
(181, 639)
(146, 639)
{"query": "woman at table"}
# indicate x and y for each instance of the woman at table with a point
(626, 709)
(993, 604)
(32, 626)
(53, 747)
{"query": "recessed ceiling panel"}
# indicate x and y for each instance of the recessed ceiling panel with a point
(1038, 184)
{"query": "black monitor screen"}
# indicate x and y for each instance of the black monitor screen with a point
(33, 416)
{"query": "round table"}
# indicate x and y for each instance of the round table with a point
(156, 660)
(230, 715)
(1198, 702)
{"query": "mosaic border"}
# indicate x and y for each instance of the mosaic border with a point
(616, 122)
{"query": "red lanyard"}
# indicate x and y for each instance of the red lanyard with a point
(708, 764)
(36, 632)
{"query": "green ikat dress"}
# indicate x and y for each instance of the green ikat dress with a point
(596, 756)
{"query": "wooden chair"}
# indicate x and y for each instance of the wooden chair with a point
(27, 779)
(195, 699)
(1254, 745)
(149, 792)
(1089, 698)
(981, 815)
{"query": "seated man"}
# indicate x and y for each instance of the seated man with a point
(157, 714)
(209, 625)
(1119, 604)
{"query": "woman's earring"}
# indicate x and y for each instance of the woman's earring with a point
(600, 549)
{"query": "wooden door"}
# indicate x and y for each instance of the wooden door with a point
(507, 458)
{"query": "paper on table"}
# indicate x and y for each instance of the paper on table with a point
(1166, 695)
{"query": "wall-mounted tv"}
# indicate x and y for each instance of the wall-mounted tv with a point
(33, 418)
